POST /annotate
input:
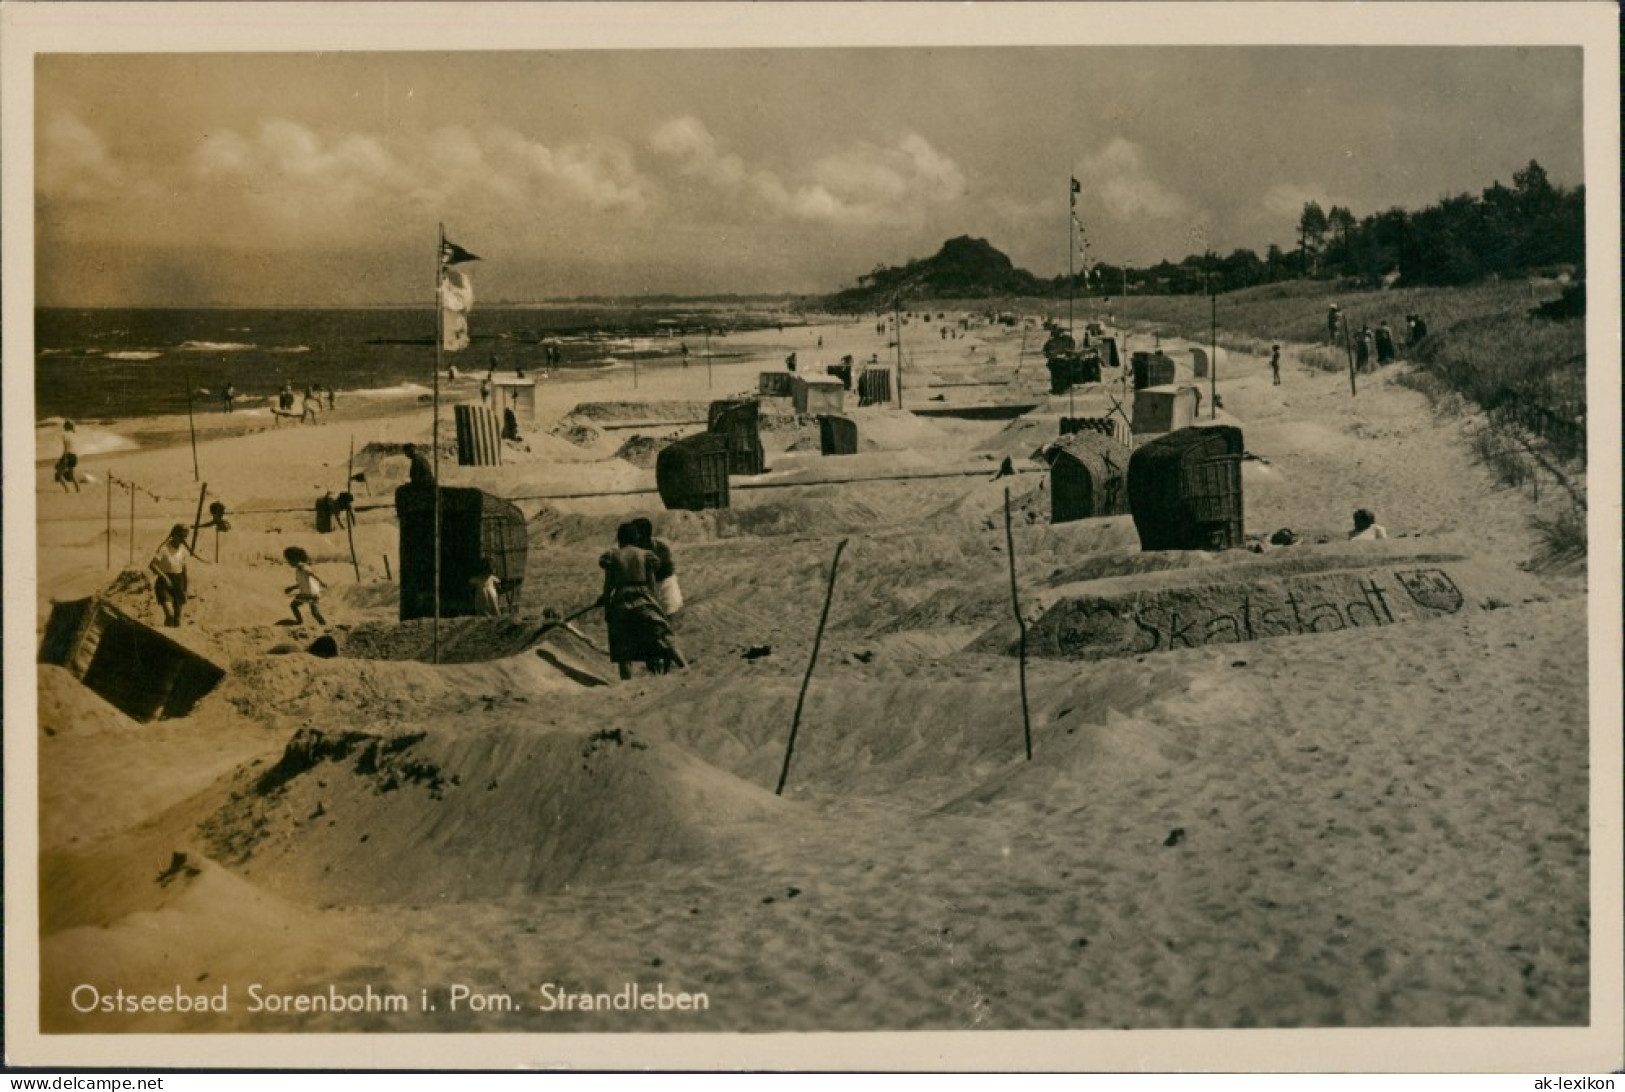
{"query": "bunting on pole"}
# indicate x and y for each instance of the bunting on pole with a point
(1077, 188)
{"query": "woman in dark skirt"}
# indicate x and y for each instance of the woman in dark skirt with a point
(638, 629)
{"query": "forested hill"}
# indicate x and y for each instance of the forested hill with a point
(964, 268)
(1532, 227)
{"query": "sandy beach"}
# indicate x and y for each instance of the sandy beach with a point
(1359, 825)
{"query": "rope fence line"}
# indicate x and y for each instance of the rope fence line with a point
(381, 505)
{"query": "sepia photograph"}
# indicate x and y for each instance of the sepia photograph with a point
(618, 535)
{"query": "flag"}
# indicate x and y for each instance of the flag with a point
(452, 254)
(1077, 188)
(456, 301)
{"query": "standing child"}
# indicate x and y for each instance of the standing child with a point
(487, 590)
(168, 566)
(308, 587)
(1275, 365)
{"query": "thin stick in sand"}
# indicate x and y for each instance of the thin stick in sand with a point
(349, 518)
(197, 520)
(812, 661)
(1015, 604)
(191, 428)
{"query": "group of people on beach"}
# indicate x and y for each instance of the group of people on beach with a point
(1373, 345)
(640, 598)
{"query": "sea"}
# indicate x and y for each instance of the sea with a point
(97, 364)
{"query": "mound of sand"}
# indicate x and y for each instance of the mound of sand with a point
(628, 412)
(641, 451)
(353, 816)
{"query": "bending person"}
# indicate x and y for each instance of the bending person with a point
(638, 629)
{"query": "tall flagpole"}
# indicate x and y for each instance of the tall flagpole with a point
(439, 340)
(1071, 223)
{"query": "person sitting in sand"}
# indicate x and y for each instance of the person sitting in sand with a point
(638, 629)
(168, 566)
(487, 590)
(1366, 527)
(307, 587)
(666, 587)
(67, 464)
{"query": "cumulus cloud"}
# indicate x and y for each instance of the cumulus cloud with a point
(603, 175)
(865, 184)
(1118, 178)
(303, 181)
(74, 161)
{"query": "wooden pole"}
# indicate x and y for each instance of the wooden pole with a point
(110, 480)
(1015, 603)
(1213, 365)
(191, 428)
(349, 529)
(439, 339)
(197, 520)
(1348, 346)
(389, 576)
(897, 316)
(708, 358)
(1071, 226)
(812, 661)
(132, 524)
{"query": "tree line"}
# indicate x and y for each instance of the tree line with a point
(1530, 227)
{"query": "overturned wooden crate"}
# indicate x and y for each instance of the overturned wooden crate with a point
(1184, 490)
(738, 422)
(475, 527)
(837, 436)
(137, 669)
(1088, 477)
(692, 473)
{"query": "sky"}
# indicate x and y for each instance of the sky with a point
(263, 179)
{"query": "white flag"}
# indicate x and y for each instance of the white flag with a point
(456, 301)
